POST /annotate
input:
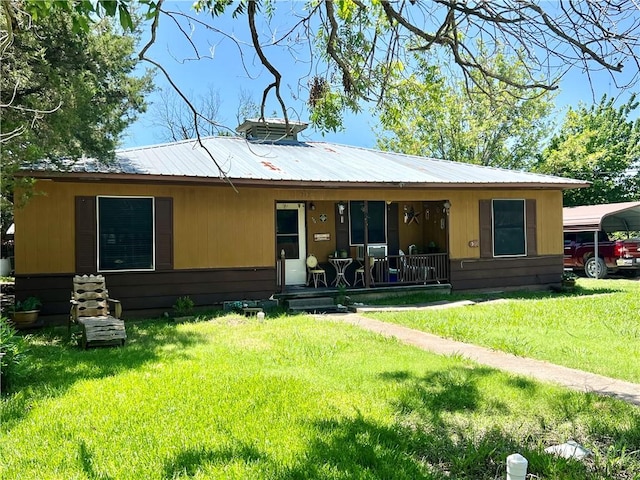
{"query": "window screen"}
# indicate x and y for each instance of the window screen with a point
(287, 233)
(377, 222)
(125, 233)
(508, 228)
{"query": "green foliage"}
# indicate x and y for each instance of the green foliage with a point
(342, 298)
(86, 11)
(184, 305)
(472, 120)
(349, 49)
(66, 91)
(29, 303)
(14, 348)
(327, 112)
(218, 7)
(600, 144)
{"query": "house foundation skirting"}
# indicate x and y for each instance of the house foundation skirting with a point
(505, 273)
(145, 293)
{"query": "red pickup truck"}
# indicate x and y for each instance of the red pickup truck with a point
(613, 255)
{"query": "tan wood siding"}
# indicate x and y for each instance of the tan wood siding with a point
(215, 227)
(315, 226)
(465, 225)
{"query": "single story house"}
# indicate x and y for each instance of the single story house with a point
(164, 221)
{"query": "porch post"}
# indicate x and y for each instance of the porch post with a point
(367, 280)
(282, 271)
(595, 254)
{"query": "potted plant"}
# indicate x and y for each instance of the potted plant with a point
(25, 313)
(569, 279)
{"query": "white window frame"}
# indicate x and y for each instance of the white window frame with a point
(153, 238)
(493, 227)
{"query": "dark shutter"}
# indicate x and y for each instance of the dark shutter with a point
(86, 225)
(164, 233)
(393, 230)
(342, 229)
(486, 230)
(532, 245)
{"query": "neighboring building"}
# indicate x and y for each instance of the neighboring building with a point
(162, 221)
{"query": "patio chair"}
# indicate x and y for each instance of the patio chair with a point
(314, 272)
(402, 266)
(90, 310)
(360, 272)
(415, 268)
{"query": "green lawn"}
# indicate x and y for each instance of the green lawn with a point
(595, 329)
(292, 398)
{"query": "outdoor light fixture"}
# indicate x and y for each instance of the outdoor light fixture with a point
(341, 207)
(447, 207)
(312, 206)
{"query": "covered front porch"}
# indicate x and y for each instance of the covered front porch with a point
(406, 243)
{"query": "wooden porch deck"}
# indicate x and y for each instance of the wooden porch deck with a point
(361, 294)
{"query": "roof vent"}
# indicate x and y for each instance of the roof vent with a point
(271, 130)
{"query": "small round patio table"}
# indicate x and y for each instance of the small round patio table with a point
(340, 264)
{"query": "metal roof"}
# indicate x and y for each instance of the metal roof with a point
(610, 217)
(303, 162)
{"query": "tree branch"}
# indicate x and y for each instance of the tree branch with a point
(142, 56)
(251, 14)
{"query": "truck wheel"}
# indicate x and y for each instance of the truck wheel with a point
(595, 268)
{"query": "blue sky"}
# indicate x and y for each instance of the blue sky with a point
(223, 71)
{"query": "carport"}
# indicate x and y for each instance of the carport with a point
(610, 217)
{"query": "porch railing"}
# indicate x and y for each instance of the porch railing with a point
(411, 269)
(396, 269)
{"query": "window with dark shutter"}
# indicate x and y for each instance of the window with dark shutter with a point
(486, 229)
(532, 222)
(509, 225)
(125, 233)
(509, 228)
(164, 233)
(377, 220)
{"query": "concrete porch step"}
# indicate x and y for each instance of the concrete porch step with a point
(314, 305)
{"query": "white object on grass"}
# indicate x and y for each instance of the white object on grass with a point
(570, 449)
(516, 467)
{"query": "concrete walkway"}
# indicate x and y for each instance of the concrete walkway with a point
(538, 369)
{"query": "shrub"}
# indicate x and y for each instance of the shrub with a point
(14, 348)
(184, 305)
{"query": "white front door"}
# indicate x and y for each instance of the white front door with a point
(290, 237)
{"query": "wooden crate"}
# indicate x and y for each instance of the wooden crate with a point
(102, 331)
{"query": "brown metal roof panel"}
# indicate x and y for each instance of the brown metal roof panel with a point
(611, 217)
